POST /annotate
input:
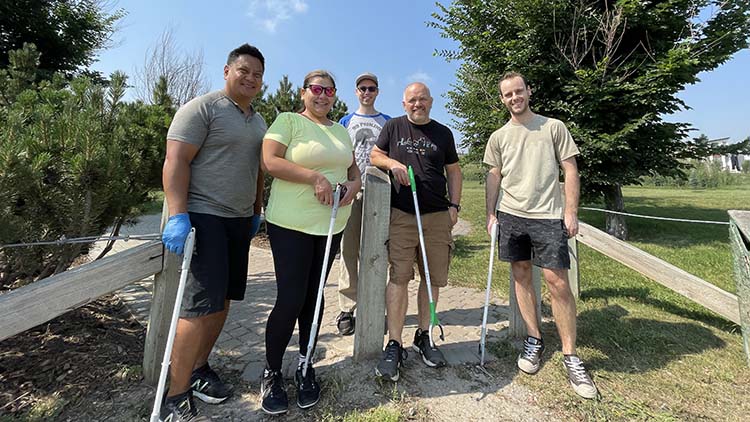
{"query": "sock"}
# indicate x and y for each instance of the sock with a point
(301, 361)
(537, 340)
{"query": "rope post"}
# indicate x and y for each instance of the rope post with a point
(573, 272)
(373, 266)
(162, 303)
(516, 325)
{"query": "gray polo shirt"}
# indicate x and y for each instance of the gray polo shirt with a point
(224, 172)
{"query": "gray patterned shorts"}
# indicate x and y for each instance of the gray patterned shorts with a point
(543, 241)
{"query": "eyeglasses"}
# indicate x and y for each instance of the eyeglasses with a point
(318, 89)
(364, 89)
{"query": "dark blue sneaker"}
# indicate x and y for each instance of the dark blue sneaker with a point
(308, 389)
(273, 393)
(208, 387)
(393, 357)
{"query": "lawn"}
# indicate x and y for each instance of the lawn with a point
(654, 354)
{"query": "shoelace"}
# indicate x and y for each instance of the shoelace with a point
(392, 353)
(277, 388)
(575, 367)
(530, 350)
(307, 382)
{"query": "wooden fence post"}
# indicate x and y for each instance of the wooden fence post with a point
(162, 305)
(516, 326)
(739, 235)
(574, 271)
(373, 265)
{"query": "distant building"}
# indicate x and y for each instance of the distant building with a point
(729, 162)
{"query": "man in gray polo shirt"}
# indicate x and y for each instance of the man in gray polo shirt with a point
(212, 181)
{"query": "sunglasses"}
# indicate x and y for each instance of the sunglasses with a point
(364, 89)
(318, 89)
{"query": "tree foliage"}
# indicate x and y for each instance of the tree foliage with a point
(67, 33)
(74, 160)
(609, 69)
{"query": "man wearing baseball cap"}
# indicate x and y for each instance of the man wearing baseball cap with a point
(364, 126)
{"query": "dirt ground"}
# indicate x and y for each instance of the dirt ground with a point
(78, 366)
(86, 366)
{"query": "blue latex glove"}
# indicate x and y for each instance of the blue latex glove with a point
(254, 225)
(175, 233)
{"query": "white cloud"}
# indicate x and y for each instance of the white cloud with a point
(419, 77)
(270, 13)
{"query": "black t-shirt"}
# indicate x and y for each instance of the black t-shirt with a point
(427, 148)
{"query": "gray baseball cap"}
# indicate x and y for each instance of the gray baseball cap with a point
(366, 75)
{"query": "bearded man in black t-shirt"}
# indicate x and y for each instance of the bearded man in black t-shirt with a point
(428, 147)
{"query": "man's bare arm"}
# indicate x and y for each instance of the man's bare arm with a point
(572, 195)
(176, 174)
(491, 192)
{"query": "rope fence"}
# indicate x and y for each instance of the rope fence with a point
(652, 217)
(156, 236)
(89, 239)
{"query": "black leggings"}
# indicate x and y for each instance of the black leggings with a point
(298, 260)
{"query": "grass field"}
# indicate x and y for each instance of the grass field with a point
(655, 355)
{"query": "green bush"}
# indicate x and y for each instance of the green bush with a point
(698, 175)
(74, 160)
(472, 170)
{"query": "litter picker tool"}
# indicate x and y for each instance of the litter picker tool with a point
(186, 258)
(323, 272)
(434, 322)
(483, 338)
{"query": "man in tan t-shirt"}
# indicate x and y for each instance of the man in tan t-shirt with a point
(525, 156)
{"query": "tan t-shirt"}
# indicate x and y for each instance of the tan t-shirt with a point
(529, 157)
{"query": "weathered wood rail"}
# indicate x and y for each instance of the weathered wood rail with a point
(739, 236)
(39, 302)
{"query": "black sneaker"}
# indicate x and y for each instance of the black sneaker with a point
(528, 359)
(308, 389)
(273, 393)
(579, 378)
(180, 408)
(431, 356)
(208, 387)
(393, 357)
(345, 323)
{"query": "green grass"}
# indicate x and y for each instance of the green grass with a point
(655, 355)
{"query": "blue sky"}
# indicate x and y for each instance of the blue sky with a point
(388, 38)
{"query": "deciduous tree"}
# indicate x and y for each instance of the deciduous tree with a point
(609, 69)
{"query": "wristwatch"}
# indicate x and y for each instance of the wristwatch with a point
(456, 206)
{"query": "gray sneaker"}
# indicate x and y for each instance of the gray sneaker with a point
(579, 378)
(431, 356)
(531, 355)
(393, 356)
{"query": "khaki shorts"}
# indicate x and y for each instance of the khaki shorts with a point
(403, 246)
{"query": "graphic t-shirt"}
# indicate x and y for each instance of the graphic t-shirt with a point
(428, 149)
(364, 130)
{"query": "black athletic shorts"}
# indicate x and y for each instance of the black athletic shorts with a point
(543, 241)
(218, 270)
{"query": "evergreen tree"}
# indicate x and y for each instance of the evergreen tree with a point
(67, 33)
(74, 160)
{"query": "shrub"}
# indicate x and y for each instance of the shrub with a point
(699, 175)
(74, 160)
